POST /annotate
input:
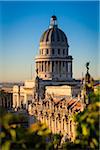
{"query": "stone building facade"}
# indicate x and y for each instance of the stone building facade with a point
(23, 95)
(57, 113)
(6, 97)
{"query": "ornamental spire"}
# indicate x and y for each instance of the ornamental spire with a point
(53, 22)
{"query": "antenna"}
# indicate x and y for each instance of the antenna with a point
(82, 78)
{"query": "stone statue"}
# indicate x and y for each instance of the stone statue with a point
(87, 65)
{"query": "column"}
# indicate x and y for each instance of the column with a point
(58, 124)
(65, 125)
(14, 100)
(58, 67)
(53, 122)
(55, 125)
(42, 119)
(66, 69)
(47, 67)
(69, 69)
(69, 128)
(50, 66)
(43, 66)
(40, 66)
(61, 67)
(49, 122)
(25, 100)
(18, 97)
(62, 126)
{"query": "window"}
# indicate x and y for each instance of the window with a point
(52, 51)
(63, 51)
(63, 63)
(42, 66)
(47, 51)
(41, 51)
(58, 51)
(53, 66)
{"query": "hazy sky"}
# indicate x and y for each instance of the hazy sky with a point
(22, 24)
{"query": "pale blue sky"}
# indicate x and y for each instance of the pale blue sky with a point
(22, 24)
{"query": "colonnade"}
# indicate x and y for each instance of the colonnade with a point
(6, 100)
(19, 100)
(54, 67)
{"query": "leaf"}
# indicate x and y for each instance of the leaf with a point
(13, 134)
(84, 130)
(6, 145)
(33, 128)
(2, 135)
(95, 141)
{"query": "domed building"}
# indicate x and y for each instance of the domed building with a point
(54, 61)
(53, 70)
(54, 64)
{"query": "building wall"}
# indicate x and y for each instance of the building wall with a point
(56, 116)
(6, 99)
(22, 95)
(59, 90)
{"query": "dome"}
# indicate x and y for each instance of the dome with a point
(54, 34)
(54, 62)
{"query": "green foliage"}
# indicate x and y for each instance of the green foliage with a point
(56, 140)
(15, 137)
